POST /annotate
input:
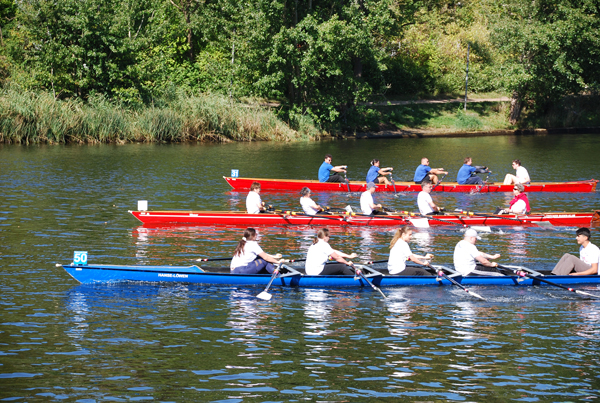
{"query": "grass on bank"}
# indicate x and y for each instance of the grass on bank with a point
(448, 117)
(36, 117)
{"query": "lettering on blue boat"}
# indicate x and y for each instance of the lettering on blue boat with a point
(172, 275)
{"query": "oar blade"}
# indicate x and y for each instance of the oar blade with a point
(419, 222)
(587, 293)
(265, 296)
(476, 295)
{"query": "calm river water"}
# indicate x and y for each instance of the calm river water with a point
(63, 341)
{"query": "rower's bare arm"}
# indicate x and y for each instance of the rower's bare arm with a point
(270, 258)
(339, 168)
(438, 171)
(482, 258)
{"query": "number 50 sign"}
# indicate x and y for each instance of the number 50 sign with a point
(80, 258)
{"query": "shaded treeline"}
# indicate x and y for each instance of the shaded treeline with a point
(318, 58)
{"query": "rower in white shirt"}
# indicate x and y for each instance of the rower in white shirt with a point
(586, 264)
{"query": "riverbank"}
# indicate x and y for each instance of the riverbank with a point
(32, 118)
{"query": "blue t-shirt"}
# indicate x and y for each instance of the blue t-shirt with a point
(464, 173)
(324, 171)
(372, 174)
(421, 172)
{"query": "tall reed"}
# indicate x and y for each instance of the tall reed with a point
(36, 117)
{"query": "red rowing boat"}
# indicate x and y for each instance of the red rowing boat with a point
(355, 186)
(242, 219)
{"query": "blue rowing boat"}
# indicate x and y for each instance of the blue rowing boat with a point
(97, 274)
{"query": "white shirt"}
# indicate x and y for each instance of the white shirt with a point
(523, 175)
(590, 254)
(398, 256)
(366, 200)
(251, 252)
(252, 203)
(317, 256)
(518, 208)
(423, 201)
(465, 255)
(308, 205)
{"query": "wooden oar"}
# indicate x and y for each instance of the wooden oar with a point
(265, 294)
(359, 272)
(214, 259)
(523, 273)
(441, 273)
(546, 224)
(389, 217)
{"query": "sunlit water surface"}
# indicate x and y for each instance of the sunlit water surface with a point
(64, 341)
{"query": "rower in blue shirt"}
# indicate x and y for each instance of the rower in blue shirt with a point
(423, 171)
(326, 168)
(375, 171)
(466, 173)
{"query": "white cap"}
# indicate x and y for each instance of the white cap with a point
(472, 232)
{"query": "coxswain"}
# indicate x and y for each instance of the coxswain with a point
(586, 264)
(519, 204)
(522, 176)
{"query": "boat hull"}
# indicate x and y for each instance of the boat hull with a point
(241, 219)
(103, 274)
(243, 184)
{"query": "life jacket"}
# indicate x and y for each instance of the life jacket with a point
(521, 196)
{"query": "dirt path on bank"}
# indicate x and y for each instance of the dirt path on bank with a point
(438, 101)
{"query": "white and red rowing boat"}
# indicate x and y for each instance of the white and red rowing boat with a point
(243, 184)
(242, 219)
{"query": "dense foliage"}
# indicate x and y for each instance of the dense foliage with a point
(319, 58)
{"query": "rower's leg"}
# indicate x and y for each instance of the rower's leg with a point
(566, 264)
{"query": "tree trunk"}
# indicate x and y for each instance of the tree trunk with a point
(516, 104)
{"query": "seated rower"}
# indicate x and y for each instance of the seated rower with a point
(320, 251)
(326, 168)
(249, 258)
(586, 264)
(254, 204)
(400, 253)
(466, 173)
(424, 200)
(367, 204)
(424, 172)
(522, 176)
(308, 205)
(519, 204)
(375, 171)
(468, 260)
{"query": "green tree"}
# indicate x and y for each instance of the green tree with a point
(551, 49)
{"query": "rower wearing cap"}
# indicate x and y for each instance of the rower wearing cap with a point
(468, 260)
(326, 169)
(375, 171)
(367, 204)
(308, 205)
